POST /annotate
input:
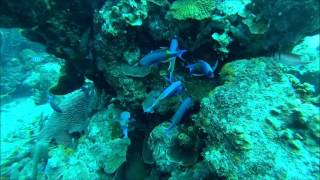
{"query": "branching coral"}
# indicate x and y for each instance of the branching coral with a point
(192, 9)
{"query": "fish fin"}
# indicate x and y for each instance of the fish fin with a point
(215, 65)
(165, 61)
(181, 52)
(168, 131)
(189, 67)
(172, 62)
(197, 75)
(171, 68)
(201, 61)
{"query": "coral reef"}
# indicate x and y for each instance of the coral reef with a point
(26, 68)
(255, 110)
(116, 17)
(178, 148)
(188, 9)
(237, 116)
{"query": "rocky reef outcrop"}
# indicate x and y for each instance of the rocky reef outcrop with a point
(256, 119)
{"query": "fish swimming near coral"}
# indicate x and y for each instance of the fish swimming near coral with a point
(175, 88)
(202, 68)
(173, 47)
(162, 55)
(181, 111)
(62, 128)
(149, 100)
(124, 120)
(289, 59)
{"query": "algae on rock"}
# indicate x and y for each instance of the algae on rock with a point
(239, 119)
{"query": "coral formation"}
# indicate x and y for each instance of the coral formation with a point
(189, 9)
(235, 116)
(249, 118)
(117, 16)
(179, 148)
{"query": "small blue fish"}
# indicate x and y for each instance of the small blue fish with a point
(53, 105)
(181, 111)
(175, 88)
(202, 68)
(37, 59)
(173, 47)
(160, 56)
(124, 120)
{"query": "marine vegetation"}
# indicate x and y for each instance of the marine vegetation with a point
(160, 89)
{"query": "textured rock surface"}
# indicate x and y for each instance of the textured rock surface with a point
(257, 124)
(257, 119)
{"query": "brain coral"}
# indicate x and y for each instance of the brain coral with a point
(192, 9)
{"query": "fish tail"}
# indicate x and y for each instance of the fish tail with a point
(181, 52)
(189, 67)
(171, 69)
(168, 131)
(215, 65)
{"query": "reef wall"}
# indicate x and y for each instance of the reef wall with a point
(255, 119)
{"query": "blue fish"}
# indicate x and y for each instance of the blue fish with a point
(160, 56)
(173, 47)
(181, 111)
(124, 120)
(175, 88)
(37, 59)
(202, 68)
(53, 105)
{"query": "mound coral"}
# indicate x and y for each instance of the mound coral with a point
(190, 9)
(237, 116)
(180, 148)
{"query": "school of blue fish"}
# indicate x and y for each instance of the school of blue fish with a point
(200, 68)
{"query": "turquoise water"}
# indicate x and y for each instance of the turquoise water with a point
(157, 89)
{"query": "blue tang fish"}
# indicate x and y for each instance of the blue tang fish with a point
(202, 68)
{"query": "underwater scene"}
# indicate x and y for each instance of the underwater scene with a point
(160, 89)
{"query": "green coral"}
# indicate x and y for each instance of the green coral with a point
(192, 9)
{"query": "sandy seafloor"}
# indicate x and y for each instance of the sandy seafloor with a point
(15, 116)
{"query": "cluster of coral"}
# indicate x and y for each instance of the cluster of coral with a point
(26, 69)
(258, 119)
